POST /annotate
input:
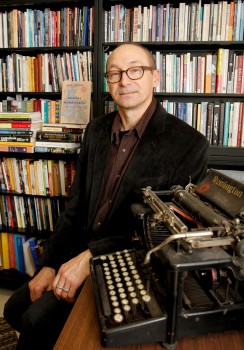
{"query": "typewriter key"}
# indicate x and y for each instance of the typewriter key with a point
(118, 318)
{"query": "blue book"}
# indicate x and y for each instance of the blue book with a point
(226, 123)
(18, 244)
(33, 247)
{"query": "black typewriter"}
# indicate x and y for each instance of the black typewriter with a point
(185, 276)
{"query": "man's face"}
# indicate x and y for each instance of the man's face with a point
(127, 93)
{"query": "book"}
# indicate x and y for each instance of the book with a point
(21, 116)
(75, 102)
(63, 127)
(17, 149)
(56, 144)
(30, 268)
(57, 136)
(56, 150)
(21, 124)
(5, 250)
(18, 242)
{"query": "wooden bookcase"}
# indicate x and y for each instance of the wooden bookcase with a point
(220, 157)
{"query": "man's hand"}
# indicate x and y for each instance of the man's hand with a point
(71, 275)
(42, 282)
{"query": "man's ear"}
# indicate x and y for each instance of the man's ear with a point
(156, 78)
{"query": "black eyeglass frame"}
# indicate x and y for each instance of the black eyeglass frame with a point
(126, 72)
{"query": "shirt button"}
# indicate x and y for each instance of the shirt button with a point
(110, 201)
(124, 150)
(99, 223)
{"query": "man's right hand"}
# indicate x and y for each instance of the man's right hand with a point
(42, 282)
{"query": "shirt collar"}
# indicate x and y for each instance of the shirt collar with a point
(140, 126)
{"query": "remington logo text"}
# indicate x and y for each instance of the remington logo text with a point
(228, 188)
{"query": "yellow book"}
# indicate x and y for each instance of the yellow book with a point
(5, 251)
(6, 143)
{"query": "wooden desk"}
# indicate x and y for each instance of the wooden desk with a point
(81, 332)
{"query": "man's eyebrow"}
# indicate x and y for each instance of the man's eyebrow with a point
(132, 64)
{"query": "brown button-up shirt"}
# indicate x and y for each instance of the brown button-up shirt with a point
(123, 145)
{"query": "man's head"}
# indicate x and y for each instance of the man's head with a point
(132, 76)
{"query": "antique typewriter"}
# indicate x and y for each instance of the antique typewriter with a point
(185, 276)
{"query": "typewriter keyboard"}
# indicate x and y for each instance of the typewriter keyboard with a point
(124, 286)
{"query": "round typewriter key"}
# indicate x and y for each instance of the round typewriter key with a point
(128, 284)
(115, 270)
(127, 255)
(110, 282)
(135, 273)
(113, 298)
(111, 287)
(107, 273)
(117, 279)
(124, 301)
(122, 295)
(146, 298)
(127, 278)
(119, 285)
(118, 318)
(108, 277)
(138, 281)
(116, 275)
(126, 309)
(112, 292)
(110, 257)
(125, 274)
(134, 303)
(105, 264)
(121, 290)
(130, 263)
(117, 310)
(124, 269)
(115, 303)
(133, 295)
(130, 289)
(106, 268)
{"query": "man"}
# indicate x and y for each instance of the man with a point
(140, 145)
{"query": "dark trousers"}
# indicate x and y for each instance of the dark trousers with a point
(38, 323)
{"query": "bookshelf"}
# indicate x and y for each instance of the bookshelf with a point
(60, 35)
(100, 43)
(186, 46)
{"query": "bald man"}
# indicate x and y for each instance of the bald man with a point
(139, 145)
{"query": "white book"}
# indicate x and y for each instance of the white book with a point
(206, 22)
(67, 145)
(223, 21)
(5, 30)
(235, 123)
(182, 6)
(219, 21)
(1, 30)
(186, 23)
(145, 24)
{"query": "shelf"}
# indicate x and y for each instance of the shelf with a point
(226, 158)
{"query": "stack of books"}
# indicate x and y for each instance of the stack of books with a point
(59, 138)
(18, 131)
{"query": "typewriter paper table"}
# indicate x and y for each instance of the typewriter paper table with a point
(81, 332)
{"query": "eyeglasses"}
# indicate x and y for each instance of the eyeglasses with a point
(133, 73)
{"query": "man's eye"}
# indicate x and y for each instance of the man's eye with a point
(114, 74)
(135, 70)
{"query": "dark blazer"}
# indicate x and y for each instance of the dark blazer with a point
(169, 153)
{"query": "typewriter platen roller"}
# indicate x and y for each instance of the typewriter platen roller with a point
(185, 276)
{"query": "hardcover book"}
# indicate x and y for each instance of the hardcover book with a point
(76, 102)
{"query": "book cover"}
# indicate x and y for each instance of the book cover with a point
(5, 250)
(76, 102)
(20, 263)
(30, 268)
